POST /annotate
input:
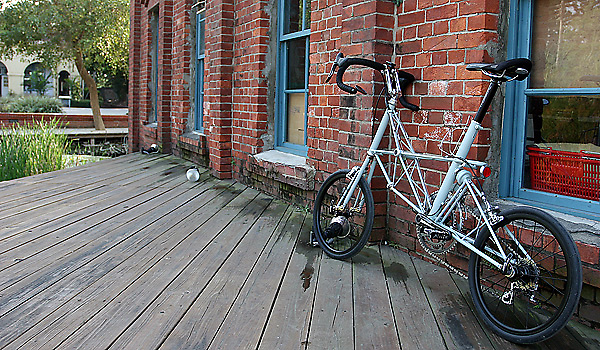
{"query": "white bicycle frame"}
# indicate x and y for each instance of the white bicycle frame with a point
(457, 178)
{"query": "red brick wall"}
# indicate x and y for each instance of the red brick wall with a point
(219, 85)
(249, 107)
(142, 133)
(435, 39)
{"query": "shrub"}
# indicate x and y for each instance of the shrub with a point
(30, 150)
(30, 104)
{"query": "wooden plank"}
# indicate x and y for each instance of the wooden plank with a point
(35, 227)
(247, 316)
(94, 275)
(90, 229)
(415, 322)
(497, 341)
(458, 325)
(15, 193)
(66, 235)
(17, 185)
(373, 318)
(289, 321)
(332, 325)
(28, 206)
(589, 338)
(213, 278)
(105, 166)
(235, 218)
(562, 340)
(202, 319)
(129, 214)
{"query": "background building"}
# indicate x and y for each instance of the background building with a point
(15, 74)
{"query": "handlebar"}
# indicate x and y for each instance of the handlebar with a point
(404, 78)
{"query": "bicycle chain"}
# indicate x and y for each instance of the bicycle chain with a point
(439, 259)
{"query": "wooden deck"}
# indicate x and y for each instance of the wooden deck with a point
(126, 254)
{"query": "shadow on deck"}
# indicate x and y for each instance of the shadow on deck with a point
(127, 254)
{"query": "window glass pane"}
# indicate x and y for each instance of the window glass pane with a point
(201, 23)
(563, 146)
(307, 15)
(296, 53)
(565, 44)
(199, 95)
(295, 122)
(292, 21)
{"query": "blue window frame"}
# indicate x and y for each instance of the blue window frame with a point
(558, 106)
(292, 80)
(200, 54)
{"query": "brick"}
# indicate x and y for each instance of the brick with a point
(588, 253)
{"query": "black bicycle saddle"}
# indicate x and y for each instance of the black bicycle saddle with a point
(518, 68)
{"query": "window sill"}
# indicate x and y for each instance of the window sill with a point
(582, 229)
(284, 167)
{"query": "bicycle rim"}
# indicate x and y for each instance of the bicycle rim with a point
(540, 298)
(358, 215)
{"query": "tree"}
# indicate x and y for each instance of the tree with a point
(55, 30)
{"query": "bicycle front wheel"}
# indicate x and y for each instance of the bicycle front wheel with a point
(539, 288)
(343, 231)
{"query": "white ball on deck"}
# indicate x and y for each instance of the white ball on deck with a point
(192, 175)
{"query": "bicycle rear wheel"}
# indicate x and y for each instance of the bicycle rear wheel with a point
(343, 232)
(534, 297)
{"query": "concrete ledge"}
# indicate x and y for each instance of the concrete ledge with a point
(284, 167)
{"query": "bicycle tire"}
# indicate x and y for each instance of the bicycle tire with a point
(360, 220)
(539, 310)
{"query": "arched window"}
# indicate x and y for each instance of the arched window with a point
(63, 84)
(41, 83)
(3, 80)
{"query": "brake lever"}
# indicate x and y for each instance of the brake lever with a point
(332, 72)
(361, 90)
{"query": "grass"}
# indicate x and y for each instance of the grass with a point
(32, 149)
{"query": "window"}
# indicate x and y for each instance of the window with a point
(551, 146)
(37, 80)
(3, 80)
(64, 88)
(293, 63)
(200, 51)
(154, 37)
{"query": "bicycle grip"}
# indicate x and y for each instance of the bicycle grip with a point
(405, 80)
(344, 62)
(408, 105)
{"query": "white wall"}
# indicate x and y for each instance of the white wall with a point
(16, 71)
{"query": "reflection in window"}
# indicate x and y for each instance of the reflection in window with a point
(563, 146)
(566, 43)
(297, 16)
(296, 111)
(200, 56)
(562, 153)
(296, 64)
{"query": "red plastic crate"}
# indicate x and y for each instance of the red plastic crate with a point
(575, 174)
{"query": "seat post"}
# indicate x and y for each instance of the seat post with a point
(487, 100)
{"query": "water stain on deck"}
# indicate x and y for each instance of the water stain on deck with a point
(306, 276)
(398, 273)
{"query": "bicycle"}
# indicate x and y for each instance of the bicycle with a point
(524, 269)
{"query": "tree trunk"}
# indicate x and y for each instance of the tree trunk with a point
(93, 87)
